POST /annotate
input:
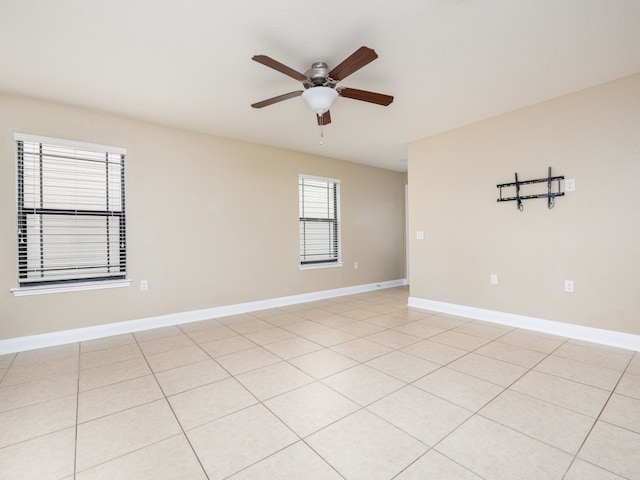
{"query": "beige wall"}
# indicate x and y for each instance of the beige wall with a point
(210, 221)
(592, 236)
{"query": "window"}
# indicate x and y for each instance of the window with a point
(319, 221)
(71, 215)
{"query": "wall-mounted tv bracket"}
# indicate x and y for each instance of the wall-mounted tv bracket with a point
(550, 195)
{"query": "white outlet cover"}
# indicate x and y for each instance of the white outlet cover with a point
(419, 235)
(494, 279)
(570, 185)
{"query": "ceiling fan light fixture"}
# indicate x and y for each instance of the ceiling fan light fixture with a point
(320, 98)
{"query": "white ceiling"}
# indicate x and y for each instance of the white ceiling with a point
(187, 63)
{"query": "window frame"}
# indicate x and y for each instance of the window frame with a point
(336, 222)
(81, 281)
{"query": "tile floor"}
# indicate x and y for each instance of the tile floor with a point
(356, 387)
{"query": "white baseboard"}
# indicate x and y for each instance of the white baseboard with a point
(21, 344)
(596, 335)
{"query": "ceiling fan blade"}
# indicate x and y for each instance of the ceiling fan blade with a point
(352, 63)
(366, 96)
(324, 119)
(280, 67)
(279, 98)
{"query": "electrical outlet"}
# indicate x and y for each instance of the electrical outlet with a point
(419, 235)
(355, 265)
(568, 286)
(144, 285)
(570, 185)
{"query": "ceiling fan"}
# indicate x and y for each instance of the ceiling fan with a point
(320, 83)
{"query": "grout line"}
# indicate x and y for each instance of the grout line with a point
(598, 418)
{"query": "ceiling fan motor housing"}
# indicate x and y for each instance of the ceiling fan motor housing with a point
(318, 76)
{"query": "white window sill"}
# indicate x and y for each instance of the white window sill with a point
(315, 266)
(71, 287)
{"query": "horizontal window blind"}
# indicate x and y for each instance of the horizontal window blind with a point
(319, 220)
(71, 212)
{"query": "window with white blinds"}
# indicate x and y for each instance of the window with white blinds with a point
(319, 220)
(71, 212)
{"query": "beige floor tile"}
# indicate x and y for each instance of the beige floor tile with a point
(513, 354)
(117, 397)
(433, 465)
(270, 335)
(32, 372)
(25, 394)
(363, 384)
(170, 459)
(329, 337)
(313, 313)
(532, 340)
(108, 438)
(334, 320)
(274, 380)
(435, 352)
(217, 332)
(165, 344)
(615, 359)
(225, 346)
(210, 402)
(464, 390)
(484, 330)
(239, 440)
(304, 327)
(447, 322)
(360, 329)
(586, 373)
(199, 325)
(387, 320)
(249, 325)
(420, 328)
(26, 423)
(284, 318)
(359, 314)
(47, 354)
(420, 414)
(563, 392)
(411, 314)
(176, 358)
(363, 446)
(629, 385)
(403, 366)
(7, 359)
(489, 369)
(295, 462)
(247, 360)
(581, 470)
(107, 342)
(496, 452)
(113, 372)
(185, 378)
(393, 339)
(153, 334)
(634, 365)
(460, 340)
(361, 350)
(551, 424)
(323, 363)
(292, 347)
(310, 408)
(49, 457)
(110, 355)
(614, 449)
(623, 412)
